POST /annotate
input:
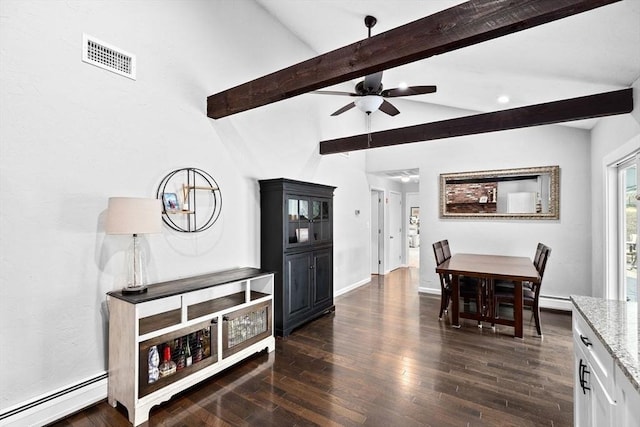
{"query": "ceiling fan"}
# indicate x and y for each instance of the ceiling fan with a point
(370, 93)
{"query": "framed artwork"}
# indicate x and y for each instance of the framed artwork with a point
(170, 201)
(415, 211)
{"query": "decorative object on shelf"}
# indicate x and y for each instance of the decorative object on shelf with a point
(170, 202)
(154, 363)
(134, 215)
(201, 202)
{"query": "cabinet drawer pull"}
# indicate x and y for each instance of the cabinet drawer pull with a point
(585, 340)
(582, 369)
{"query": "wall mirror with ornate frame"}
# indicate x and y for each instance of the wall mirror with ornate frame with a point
(527, 193)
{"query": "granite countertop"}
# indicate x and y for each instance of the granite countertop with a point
(616, 325)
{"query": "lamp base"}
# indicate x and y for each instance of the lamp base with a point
(134, 290)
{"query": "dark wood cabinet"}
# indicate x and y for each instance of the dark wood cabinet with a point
(297, 244)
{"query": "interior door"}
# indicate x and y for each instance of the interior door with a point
(395, 230)
(377, 215)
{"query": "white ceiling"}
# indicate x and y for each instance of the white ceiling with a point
(589, 53)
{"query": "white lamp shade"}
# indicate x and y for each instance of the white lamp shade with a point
(369, 103)
(133, 215)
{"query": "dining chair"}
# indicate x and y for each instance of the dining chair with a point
(469, 288)
(445, 279)
(530, 291)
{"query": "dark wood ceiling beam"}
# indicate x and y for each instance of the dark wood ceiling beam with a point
(454, 28)
(585, 107)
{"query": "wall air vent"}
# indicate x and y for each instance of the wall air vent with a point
(109, 57)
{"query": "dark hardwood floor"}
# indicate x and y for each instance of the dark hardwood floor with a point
(383, 359)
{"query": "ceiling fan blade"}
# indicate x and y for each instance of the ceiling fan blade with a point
(345, 108)
(411, 90)
(333, 92)
(388, 108)
(372, 82)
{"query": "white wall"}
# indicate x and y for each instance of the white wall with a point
(72, 135)
(569, 268)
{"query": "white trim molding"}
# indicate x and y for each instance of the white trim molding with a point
(352, 287)
(56, 404)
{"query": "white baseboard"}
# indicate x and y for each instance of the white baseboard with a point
(555, 303)
(352, 287)
(56, 404)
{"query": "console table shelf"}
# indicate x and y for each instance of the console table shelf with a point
(227, 316)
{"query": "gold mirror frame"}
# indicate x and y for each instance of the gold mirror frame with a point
(483, 202)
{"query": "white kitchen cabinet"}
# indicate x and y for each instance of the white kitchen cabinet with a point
(593, 385)
(603, 394)
(628, 401)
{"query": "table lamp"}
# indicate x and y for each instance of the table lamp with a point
(134, 215)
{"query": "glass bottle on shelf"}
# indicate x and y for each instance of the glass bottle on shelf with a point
(188, 359)
(198, 353)
(206, 343)
(181, 361)
(168, 366)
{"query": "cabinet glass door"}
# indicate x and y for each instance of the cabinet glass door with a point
(298, 221)
(321, 220)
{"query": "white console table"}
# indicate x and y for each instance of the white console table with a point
(229, 313)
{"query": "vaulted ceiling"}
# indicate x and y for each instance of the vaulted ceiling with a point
(588, 53)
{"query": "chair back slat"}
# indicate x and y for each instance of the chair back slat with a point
(544, 257)
(439, 253)
(445, 249)
(536, 259)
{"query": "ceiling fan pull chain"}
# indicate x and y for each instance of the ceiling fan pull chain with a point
(368, 119)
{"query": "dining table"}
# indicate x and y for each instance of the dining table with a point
(488, 269)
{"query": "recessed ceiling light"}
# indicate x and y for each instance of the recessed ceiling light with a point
(403, 85)
(405, 179)
(503, 99)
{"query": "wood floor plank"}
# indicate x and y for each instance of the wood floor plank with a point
(383, 359)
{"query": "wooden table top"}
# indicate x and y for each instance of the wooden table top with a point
(495, 266)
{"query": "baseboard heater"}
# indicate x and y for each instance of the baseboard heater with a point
(57, 404)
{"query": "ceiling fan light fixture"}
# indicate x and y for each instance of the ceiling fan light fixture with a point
(369, 103)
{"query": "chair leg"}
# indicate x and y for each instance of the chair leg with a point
(536, 314)
(442, 298)
(444, 302)
(447, 301)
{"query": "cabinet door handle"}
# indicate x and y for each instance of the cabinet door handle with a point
(225, 318)
(582, 369)
(214, 321)
(585, 340)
